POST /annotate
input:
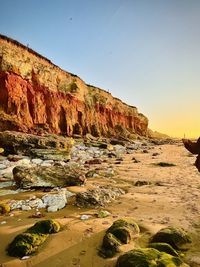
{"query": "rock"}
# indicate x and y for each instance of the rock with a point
(85, 217)
(148, 257)
(135, 160)
(45, 227)
(4, 208)
(37, 161)
(114, 141)
(98, 197)
(155, 154)
(14, 157)
(120, 232)
(2, 166)
(25, 244)
(175, 237)
(25, 208)
(51, 154)
(52, 176)
(23, 143)
(142, 183)
(124, 230)
(25, 258)
(55, 202)
(110, 246)
(93, 161)
(3, 222)
(164, 247)
(103, 214)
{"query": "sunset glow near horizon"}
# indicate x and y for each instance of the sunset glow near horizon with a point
(147, 53)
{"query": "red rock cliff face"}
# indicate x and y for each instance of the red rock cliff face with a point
(37, 96)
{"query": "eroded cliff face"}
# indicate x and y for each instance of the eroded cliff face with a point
(36, 96)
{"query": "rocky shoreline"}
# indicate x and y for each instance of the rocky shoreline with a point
(81, 174)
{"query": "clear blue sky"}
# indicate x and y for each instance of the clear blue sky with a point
(146, 52)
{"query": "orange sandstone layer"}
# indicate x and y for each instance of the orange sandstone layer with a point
(37, 96)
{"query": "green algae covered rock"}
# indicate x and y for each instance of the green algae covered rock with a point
(124, 230)
(176, 237)
(121, 232)
(110, 246)
(148, 257)
(164, 247)
(27, 243)
(45, 227)
(4, 208)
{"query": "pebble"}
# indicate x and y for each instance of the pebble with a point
(37, 161)
(3, 222)
(2, 166)
(25, 258)
(85, 217)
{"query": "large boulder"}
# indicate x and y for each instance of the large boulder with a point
(98, 197)
(52, 176)
(148, 257)
(17, 142)
(121, 232)
(28, 242)
(175, 237)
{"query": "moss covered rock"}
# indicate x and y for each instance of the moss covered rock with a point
(4, 208)
(124, 230)
(176, 237)
(148, 257)
(110, 246)
(45, 227)
(120, 232)
(25, 244)
(164, 247)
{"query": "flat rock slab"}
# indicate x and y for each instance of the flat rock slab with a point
(52, 176)
(98, 197)
(17, 142)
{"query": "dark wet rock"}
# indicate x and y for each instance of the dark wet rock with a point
(175, 237)
(117, 142)
(41, 176)
(93, 161)
(112, 155)
(98, 197)
(165, 164)
(142, 183)
(135, 160)
(164, 247)
(27, 243)
(155, 154)
(21, 143)
(148, 257)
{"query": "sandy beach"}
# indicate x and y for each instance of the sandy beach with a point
(170, 197)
